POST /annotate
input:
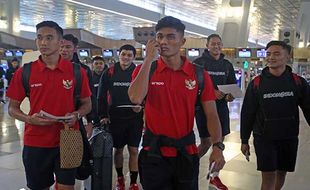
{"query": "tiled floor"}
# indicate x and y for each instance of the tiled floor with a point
(238, 174)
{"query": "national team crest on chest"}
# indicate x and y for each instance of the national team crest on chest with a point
(190, 84)
(67, 84)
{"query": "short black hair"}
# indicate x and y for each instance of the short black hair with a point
(213, 36)
(284, 45)
(98, 58)
(170, 22)
(51, 24)
(128, 47)
(14, 59)
(71, 38)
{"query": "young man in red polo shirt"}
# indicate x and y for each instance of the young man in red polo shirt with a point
(169, 157)
(52, 84)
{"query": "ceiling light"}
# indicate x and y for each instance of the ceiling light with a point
(219, 2)
(110, 11)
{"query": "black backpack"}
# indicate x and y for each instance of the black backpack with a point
(83, 171)
(76, 69)
(297, 82)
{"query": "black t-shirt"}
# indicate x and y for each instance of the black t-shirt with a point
(113, 92)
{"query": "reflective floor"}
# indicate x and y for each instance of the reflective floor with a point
(238, 174)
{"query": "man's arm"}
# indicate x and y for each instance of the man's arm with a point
(248, 115)
(85, 107)
(93, 115)
(102, 102)
(215, 130)
(138, 88)
(213, 122)
(305, 100)
(231, 79)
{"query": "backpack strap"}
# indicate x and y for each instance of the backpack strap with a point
(256, 82)
(111, 71)
(153, 68)
(200, 77)
(296, 79)
(78, 86)
(298, 85)
(77, 75)
(25, 77)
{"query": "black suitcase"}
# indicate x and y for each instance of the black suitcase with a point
(102, 146)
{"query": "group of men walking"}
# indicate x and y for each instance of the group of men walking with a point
(166, 89)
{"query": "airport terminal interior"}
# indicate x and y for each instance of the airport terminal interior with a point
(102, 26)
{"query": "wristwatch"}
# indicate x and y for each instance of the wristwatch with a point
(219, 145)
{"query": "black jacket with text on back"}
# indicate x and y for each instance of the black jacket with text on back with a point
(270, 108)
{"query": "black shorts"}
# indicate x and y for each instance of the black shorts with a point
(40, 166)
(275, 155)
(126, 131)
(167, 173)
(201, 121)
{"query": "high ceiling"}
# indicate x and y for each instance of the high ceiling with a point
(272, 15)
(267, 16)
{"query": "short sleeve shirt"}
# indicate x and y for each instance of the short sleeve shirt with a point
(51, 91)
(170, 101)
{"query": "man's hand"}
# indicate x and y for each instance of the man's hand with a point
(71, 122)
(137, 109)
(245, 149)
(219, 94)
(37, 119)
(152, 49)
(218, 159)
(89, 129)
(229, 97)
(105, 121)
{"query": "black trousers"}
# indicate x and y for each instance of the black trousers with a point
(168, 173)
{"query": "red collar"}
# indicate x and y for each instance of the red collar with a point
(186, 67)
(61, 65)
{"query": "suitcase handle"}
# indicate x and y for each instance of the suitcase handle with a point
(104, 127)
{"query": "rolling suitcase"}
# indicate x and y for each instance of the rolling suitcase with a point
(102, 146)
